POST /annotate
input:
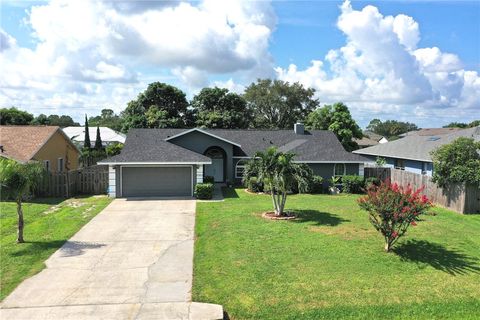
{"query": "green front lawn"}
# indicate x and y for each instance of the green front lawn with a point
(48, 224)
(330, 263)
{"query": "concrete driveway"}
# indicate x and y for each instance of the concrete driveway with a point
(134, 260)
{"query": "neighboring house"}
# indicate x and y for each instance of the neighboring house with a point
(169, 162)
(108, 136)
(430, 132)
(47, 144)
(412, 153)
(370, 139)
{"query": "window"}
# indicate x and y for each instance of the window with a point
(60, 165)
(46, 163)
(240, 168)
(339, 169)
(399, 164)
(424, 168)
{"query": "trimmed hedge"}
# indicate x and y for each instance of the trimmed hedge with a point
(353, 184)
(204, 191)
(253, 185)
(208, 179)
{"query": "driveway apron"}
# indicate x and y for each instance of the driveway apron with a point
(134, 260)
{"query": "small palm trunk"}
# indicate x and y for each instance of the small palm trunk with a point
(20, 223)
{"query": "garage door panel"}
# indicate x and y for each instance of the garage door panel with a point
(156, 181)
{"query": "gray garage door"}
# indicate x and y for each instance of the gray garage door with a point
(156, 181)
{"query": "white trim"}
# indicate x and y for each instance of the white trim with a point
(344, 170)
(392, 157)
(239, 157)
(160, 166)
(150, 163)
(204, 132)
(239, 166)
(333, 161)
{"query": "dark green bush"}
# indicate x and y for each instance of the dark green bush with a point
(353, 184)
(204, 190)
(208, 179)
(316, 185)
(372, 181)
(254, 185)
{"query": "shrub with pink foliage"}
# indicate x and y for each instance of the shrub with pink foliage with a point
(392, 209)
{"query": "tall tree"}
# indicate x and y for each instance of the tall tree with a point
(98, 140)
(18, 180)
(14, 116)
(279, 104)
(86, 143)
(219, 108)
(336, 118)
(107, 118)
(41, 120)
(166, 98)
(390, 128)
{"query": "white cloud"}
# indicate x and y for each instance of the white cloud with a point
(80, 43)
(381, 71)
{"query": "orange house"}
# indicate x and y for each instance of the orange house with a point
(47, 144)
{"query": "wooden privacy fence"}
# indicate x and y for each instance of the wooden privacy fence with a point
(88, 180)
(458, 197)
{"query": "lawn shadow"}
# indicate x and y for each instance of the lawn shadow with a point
(320, 218)
(229, 193)
(68, 248)
(32, 247)
(40, 200)
(437, 256)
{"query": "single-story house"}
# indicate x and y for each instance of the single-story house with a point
(47, 144)
(108, 136)
(169, 162)
(370, 139)
(412, 153)
(430, 132)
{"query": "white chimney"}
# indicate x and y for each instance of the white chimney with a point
(299, 128)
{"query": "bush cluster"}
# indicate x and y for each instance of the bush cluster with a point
(204, 191)
(353, 184)
(254, 185)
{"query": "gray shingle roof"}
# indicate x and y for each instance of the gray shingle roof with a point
(417, 147)
(315, 145)
(146, 145)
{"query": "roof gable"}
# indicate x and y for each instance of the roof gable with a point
(21, 143)
(204, 132)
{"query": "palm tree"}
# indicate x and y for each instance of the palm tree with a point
(277, 171)
(18, 180)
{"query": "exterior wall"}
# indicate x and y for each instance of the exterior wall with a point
(200, 142)
(410, 165)
(325, 170)
(112, 182)
(59, 147)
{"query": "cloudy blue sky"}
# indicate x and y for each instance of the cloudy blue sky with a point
(410, 60)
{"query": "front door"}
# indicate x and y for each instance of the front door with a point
(215, 170)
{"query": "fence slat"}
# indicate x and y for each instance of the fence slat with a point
(89, 180)
(458, 197)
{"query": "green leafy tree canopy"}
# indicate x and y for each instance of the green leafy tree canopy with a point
(278, 104)
(457, 162)
(390, 128)
(336, 118)
(14, 116)
(219, 108)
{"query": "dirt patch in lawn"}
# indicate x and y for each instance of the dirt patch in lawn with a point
(347, 232)
(271, 216)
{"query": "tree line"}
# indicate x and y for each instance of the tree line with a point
(265, 104)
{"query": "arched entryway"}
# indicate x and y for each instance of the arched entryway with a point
(217, 168)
